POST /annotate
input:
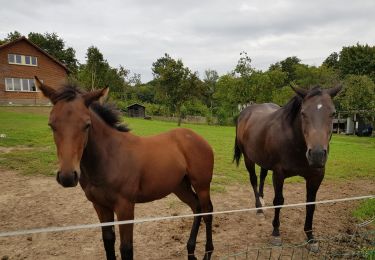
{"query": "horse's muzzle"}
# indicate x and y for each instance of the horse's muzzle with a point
(67, 179)
(316, 157)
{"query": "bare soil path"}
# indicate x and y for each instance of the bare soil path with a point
(37, 201)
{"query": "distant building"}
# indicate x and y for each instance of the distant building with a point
(20, 61)
(351, 124)
(136, 110)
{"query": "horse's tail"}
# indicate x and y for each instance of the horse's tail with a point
(237, 150)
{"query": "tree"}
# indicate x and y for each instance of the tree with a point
(332, 61)
(262, 86)
(92, 73)
(226, 98)
(97, 73)
(281, 96)
(11, 37)
(243, 67)
(243, 89)
(209, 85)
(55, 46)
(176, 84)
(358, 94)
(358, 60)
(135, 80)
(145, 93)
(308, 76)
(288, 66)
(277, 77)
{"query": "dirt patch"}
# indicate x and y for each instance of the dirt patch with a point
(35, 110)
(30, 202)
(14, 148)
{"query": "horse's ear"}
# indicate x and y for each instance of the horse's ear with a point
(47, 91)
(97, 95)
(299, 91)
(334, 91)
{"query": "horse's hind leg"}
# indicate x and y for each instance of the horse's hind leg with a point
(206, 206)
(185, 193)
(250, 166)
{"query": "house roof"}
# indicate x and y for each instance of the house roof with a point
(135, 104)
(23, 38)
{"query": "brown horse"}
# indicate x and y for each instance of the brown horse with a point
(290, 140)
(117, 169)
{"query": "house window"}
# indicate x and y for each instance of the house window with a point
(18, 59)
(20, 85)
(11, 58)
(17, 84)
(22, 60)
(33, 61)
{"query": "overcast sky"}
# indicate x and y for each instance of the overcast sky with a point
(204, 34)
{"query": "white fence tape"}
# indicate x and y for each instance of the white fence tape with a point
(143, 220)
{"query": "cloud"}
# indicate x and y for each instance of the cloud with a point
(204, 34)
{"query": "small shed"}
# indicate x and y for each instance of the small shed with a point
(136, 110)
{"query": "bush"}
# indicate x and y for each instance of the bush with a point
(224, 117)
(156, 110)
(194, 108)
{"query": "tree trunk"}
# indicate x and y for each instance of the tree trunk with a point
(178, 111)
(179, 120)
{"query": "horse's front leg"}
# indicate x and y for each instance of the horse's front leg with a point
(263, 175)
(313, 182)
(125, 211)
(108, 233)
(278, 183)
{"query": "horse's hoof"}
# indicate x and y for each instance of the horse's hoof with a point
(262, 201)
(260, 214)
(276, 241)
(192, 257)
(207, 257)
(313, 247)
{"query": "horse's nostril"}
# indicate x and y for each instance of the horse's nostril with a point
(309, 152)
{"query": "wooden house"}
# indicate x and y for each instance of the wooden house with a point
(20, 61)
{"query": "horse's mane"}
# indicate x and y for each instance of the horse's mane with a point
(293, 107)
(67, 92)
(108, 112)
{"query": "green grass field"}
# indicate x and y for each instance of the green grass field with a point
(33, 149)
(26, 130)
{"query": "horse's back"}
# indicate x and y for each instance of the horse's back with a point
(253, 125)
(261, 109)
(255, 116)
(183, 151)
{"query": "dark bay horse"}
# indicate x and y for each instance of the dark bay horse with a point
(117, 169)
(290, 140)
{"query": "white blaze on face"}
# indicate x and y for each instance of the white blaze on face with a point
(319, 106)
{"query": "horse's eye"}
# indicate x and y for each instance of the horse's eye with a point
(87, 126)
(303, 114)
(333, 114)
(52, 127)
